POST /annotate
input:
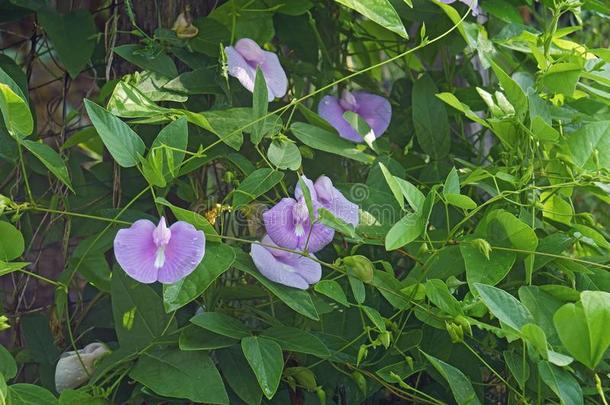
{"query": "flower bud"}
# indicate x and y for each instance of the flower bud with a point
(4, 323)
(70, 373)
(483, 246)
(360, 267)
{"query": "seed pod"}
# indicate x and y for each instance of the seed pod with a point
(360, 267)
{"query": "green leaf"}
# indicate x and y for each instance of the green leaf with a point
(266, 360)
(590, 145)
(198, 221)
(430, 119)
(460, 201)
(160, 62)
(137, 311)
(380, 11)
(50, 159)
(17, 115)
(129, 102)
(239, 375)
(284, 154)
(405, 231)
(562, 383)
(414, 197)
(260, 103)
(332, 290)
(72, 35)
(394, 185)
(562, 78)
(12, 244)
(480, 269)
(453, 101)
(257, 183)
(195, 338)
(217, 259)
(581, 327)
(535, 336)
(504, 306)
(29, 394)
(221, 324)
(298, 300)
(358, 289)
(327, 218)
(122, 142)
(452, 183)
(189, 375)
(375, 317)
(460, 385)
(438, 293)
(297, 340)
(505, 227)
(330, 142)
(8, 367)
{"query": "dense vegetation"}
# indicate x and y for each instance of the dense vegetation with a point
(303, 202)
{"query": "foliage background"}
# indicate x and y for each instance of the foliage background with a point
(531, 182)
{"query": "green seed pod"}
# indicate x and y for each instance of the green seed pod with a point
(360, 381)
(321, 395)
(360, 267)
(303, 377)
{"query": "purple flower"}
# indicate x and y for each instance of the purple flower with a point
(246, 56)
(150, 253)
(288, 224)
(331, 199)
(474, 4)
(374, 110)
(287, 268)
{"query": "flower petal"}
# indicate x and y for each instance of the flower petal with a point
(298, 193)
(321, 235)
(286, 268)
(334, 201)
(330, 109)
(183, 254)
(69, 372)
(275, 76)
(135, 251)
(279, 224)
(375, 110)
(239, 68)
(250, 51)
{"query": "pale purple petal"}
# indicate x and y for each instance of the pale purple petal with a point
(334, 201)
(375, 110)
(135, 251)
(279, 223)
(321, 235)
(246, 56)
(331, 111)
(275, 76)
(286, 268)
(183, 254)
(298, 193)
(240, 68)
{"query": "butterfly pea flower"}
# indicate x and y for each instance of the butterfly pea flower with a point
(375, 110)
(331, 199)
(70, 373)
(289, 226)
(149, 253)
(246, 56)
(287, 268)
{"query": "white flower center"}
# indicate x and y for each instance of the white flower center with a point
(161, 236)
